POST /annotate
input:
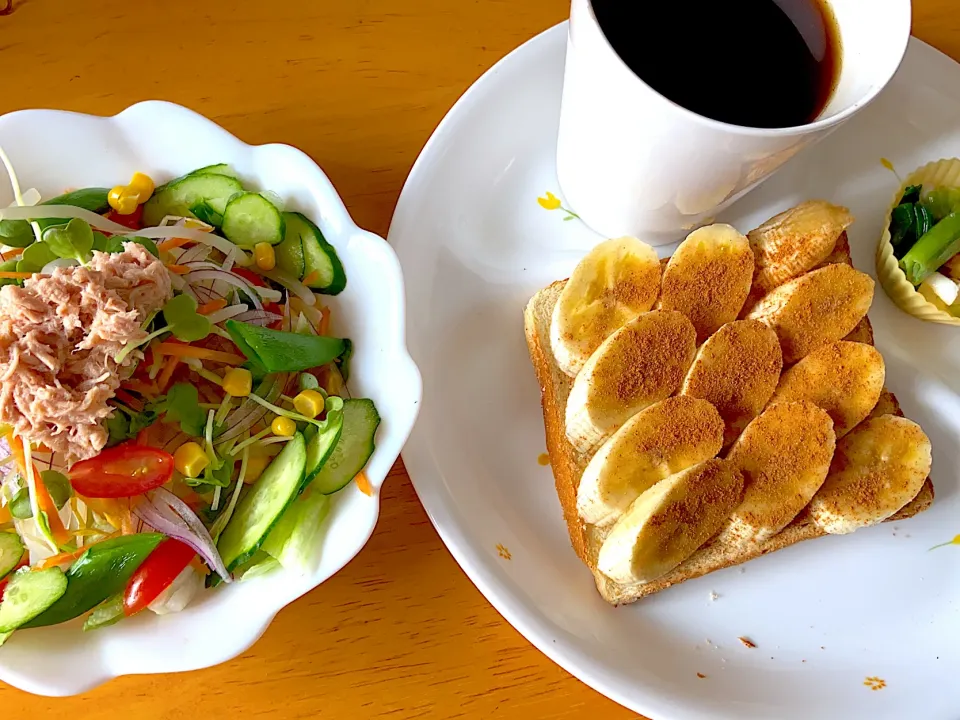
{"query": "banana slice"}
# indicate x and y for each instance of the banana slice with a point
(615, 282)
(736, 369)
(664, 439)
(816, 309)
(796, 241)
(708, 278)
(668, 522)
(784, 456)
(843, 378)
(878, 468)
(640, 364)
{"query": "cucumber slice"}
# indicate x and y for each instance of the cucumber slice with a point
(178, 196)
(319, 256)
(11, 553)
(290, 252)
(320, 446)
(29, 594)
(250, 218)
(218, 169)
(260, 509)
(356, 445)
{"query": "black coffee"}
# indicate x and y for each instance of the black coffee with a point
(756, 63)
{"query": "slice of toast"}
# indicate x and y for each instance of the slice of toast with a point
(568, 464)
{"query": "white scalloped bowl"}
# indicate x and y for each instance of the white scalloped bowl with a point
(53, 150)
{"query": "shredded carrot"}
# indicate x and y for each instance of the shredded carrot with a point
(212, 306)
(363, 482)
(5, 515)
(311, 277)
(167, 373)
(177, 269)
(62, 558)
(127, 525)
(172, 243)
(199, 565)
(324, 321)
(168, 348)
(11, 254)
(16, 275)
(129, 400)
(148, 390)
(44, 502)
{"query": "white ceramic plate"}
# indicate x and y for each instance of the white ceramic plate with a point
(830, 618)
(54, 150)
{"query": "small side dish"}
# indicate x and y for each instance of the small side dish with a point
(918, 259)
(174, 408)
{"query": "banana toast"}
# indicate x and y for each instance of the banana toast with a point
(723, 549)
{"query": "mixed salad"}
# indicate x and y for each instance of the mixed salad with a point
(173, 407)
(925, 234)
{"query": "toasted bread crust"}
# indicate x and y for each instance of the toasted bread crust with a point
(568, 466)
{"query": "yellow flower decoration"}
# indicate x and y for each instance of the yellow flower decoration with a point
(551, 202)
(875, 683)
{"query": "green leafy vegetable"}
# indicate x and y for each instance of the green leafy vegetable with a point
(16, 233)
(183, 320)
(278, 351)
(941, 201)
(125, 423)
(35, 257)
(73, 240)
(57, 485)
(9, 266)
(932, 250)
(182, 404)
(109, 612)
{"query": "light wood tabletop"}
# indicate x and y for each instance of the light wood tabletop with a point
(358, 85)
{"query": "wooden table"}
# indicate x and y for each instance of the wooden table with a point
(359, 85)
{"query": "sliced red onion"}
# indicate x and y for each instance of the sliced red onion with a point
(168, 514)
(232, 311)
(258, 317)
(229, 278)
(172, 231)
(194, 254)
(293, 285)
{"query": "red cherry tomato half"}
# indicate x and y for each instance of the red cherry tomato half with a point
(134, 220)
(122, 471)
(156, 574)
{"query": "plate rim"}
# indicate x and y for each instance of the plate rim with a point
(426, 478)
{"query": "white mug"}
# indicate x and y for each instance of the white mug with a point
(632, 162)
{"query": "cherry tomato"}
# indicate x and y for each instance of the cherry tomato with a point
(122, 471)
(134, 221)
(250, 276)
(24, 561)
(156, 574)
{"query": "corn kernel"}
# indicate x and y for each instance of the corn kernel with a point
(238, 382)
(143, 186)
(264, 256)
(123, 200)
(283, 426)
(190, 459)
(309, 403)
